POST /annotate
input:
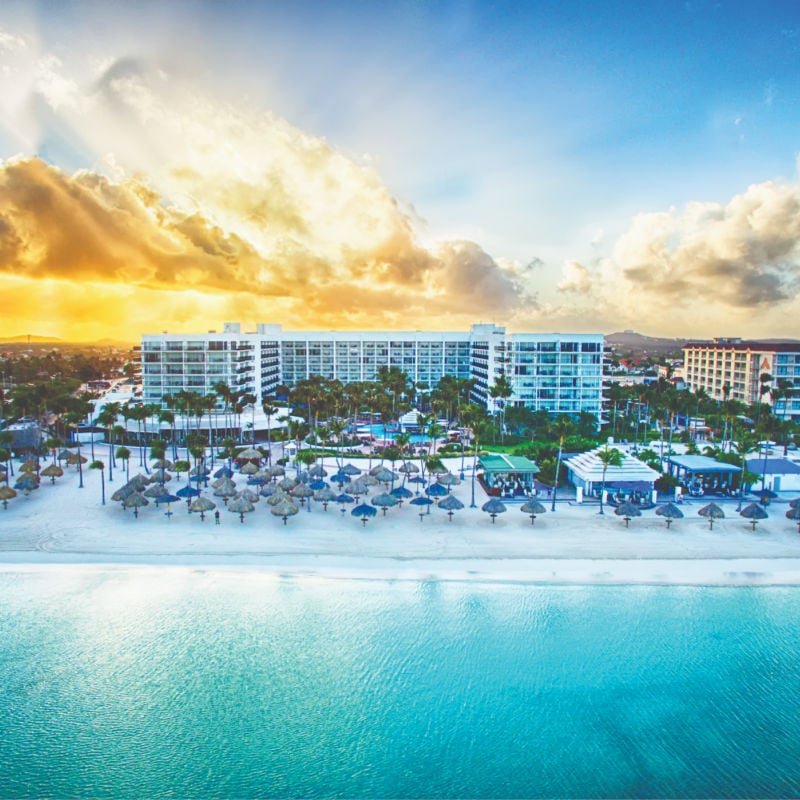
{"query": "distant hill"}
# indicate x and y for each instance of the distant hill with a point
(632, 342)
(29, 337)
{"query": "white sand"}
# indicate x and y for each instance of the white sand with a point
(61, 524)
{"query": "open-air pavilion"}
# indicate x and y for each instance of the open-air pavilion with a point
(781, 474)
(703, 475)
(507, 476)
(633, 479)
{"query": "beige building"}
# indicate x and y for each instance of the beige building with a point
(738, 364)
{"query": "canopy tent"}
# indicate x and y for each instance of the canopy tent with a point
(586, 472)
(507, 476)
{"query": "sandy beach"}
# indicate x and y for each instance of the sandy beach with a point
(62, 525)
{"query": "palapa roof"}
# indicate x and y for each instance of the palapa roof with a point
(497, 462)
(588, 467)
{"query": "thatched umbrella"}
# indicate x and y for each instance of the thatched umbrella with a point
(64, 455)
(341, 478)
(52, 471)
(135, 501)
(3, 474)
(376, 468)
(302, 493)
(754, 512)
(450, 504)
(795, 503)
(26, 483)
(75, 459)
(408, 468)
(268, 490)
(385, 476)
(344, 499)
(250, 495)
(226, 488)
(249, 468)
(401, 493)
(384, 501)
(284, 509)
(277, 471)
(364, 511)
(448, 479)
(241, 506)
(794, 515)
(287, 484)
(358, 487)
(424, 503)
(436, 490)
(167, 499)
(160, 476)
(162, 463)
(224, 472)
(670, 512)
(712, 511)
(31, 466)
(351, 469)
(627, 510)
(317, 484)
(493, 507)
(277, 497)
(187, 493)
(202, 504)
(155, 490)
(6, 494)
(533, 508)
(138, 481)
(318, 471)
(249, 454)
(325, 495)
(122, 493)
(765, 495)
(199, 470)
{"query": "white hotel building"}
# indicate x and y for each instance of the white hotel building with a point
(561, 373)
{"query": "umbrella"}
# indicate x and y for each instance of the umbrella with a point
(325, 495)
(249, 454)
(276, 471)
(31, 465)
(138, 481)
(6, 494)
(269, 490)
(122, 493)
(450, 504)
(26, 483)
(792, 514)
(135, 501)
(277, 496)
(249, 468)
(64, 455)
(376, 468)
(160, 476)
(162, 463)
(712, 511)
(200, 471)
(437, 490)
(250, 495)
(167, 498)
(3, 474)
(287, 484)
(365, 512)
(384, 475)
(341, 478)
(422, 501)
(225, 487)
(670, 512)
(52, 471)
(533, 508)
(202, 504)
(301, 492)
(350, 469)
(224, 472)
(75, 459)
(448, 480)
(241, 506)
(493, 507)
(187, 491)
(384, 501)
(155, 490)
(408, 468)
(627, 510)
(318, 471)
(795, 503)
(256, 480)
(344, 499)
(401, 493)
(317, 485)
(369, 480)
(358, 487)
(284, 509)
(766, 495)
(754, 512)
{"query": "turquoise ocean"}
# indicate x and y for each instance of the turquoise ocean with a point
(180, 683)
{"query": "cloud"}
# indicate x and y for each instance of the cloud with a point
(576, 278)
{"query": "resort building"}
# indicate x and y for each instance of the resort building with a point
(729, 368)
(558, 372)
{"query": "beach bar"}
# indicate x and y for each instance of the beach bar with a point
(585, 471)
(507, 476)
(703, 475)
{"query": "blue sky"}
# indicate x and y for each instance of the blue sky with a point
(538, 130)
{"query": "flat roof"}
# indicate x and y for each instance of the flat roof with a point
(774, 466)
(702, 464)
(755, 345)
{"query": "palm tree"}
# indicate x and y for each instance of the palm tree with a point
(609, 457)
(101, 466)
(270, 409)
(562, 427)
(746, 442)
(501, 391)
(125, 456)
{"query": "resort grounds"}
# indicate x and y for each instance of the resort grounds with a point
(61, 524)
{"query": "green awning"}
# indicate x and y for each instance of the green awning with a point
(503, 463)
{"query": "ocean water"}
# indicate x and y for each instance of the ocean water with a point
(210, 684)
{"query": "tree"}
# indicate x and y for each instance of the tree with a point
(270, 410)
(124, 455)
(562, 427)
(99, 465)
(501, 391)
(609, 457)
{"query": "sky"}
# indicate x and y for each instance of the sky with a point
(548, 166)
